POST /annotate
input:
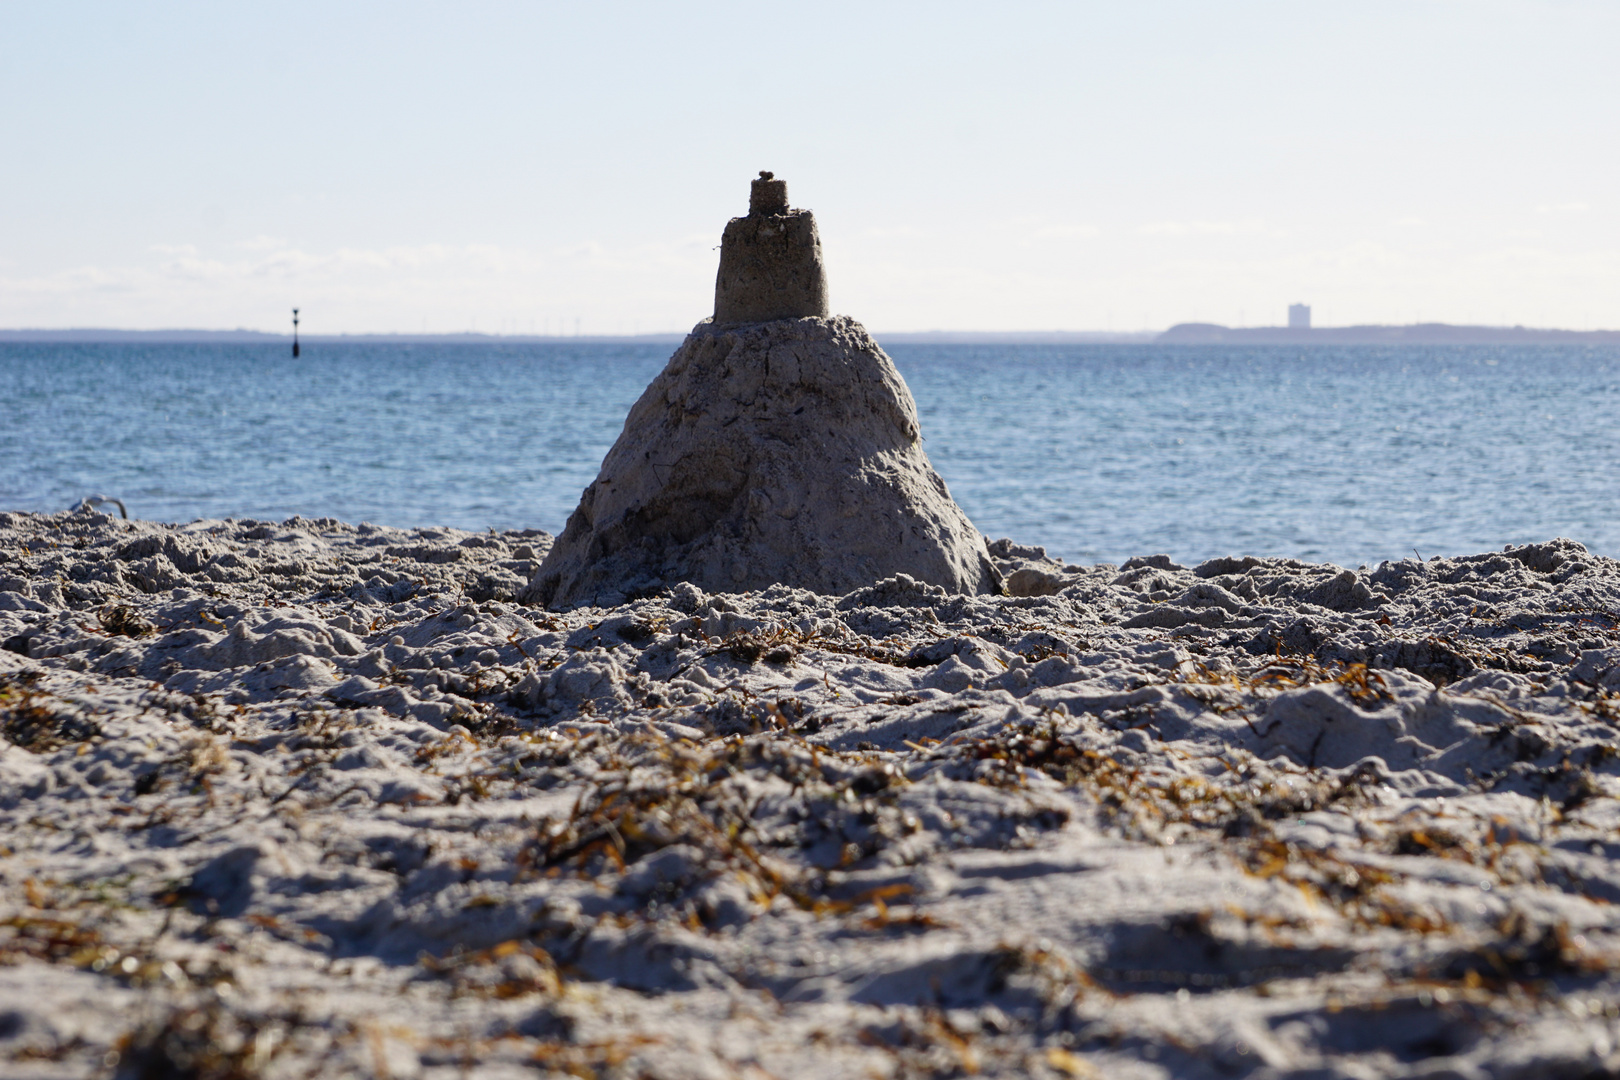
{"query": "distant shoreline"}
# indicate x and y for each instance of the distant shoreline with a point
(259, 337)
(1415, 334)
(249, 337)
(1181, 334)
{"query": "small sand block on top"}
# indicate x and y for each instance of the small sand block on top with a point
(778, 446)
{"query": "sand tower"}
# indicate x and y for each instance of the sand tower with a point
(777, 445)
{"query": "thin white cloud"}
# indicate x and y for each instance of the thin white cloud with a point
(987, 274)
(1064, 232)
(1198, 228)
(1563, 208)
(364, 289)
(897, 232)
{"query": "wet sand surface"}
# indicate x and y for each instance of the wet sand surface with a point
(310, 798)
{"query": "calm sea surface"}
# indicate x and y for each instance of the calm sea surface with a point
(1348, 455)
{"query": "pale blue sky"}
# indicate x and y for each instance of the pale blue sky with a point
(408, 166)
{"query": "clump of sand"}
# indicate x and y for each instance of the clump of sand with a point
(308, 798)
(783, 452)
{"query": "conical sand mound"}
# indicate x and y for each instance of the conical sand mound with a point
(783, 451)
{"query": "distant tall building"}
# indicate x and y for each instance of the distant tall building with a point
(1299, 316)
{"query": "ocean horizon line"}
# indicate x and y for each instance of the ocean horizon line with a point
(1180, 334)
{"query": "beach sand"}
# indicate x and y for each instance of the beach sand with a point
(315, 799)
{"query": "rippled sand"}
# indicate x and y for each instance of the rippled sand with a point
(314, 799)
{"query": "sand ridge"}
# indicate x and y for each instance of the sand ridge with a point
(317, 799)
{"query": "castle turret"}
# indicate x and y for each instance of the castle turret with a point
(770, 261)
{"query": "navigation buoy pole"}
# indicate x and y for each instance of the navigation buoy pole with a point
(295, 333)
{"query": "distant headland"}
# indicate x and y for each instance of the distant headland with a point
(1416, 334)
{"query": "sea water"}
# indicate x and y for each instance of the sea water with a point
(1342, 454)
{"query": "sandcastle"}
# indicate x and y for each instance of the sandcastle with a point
(779, 445)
